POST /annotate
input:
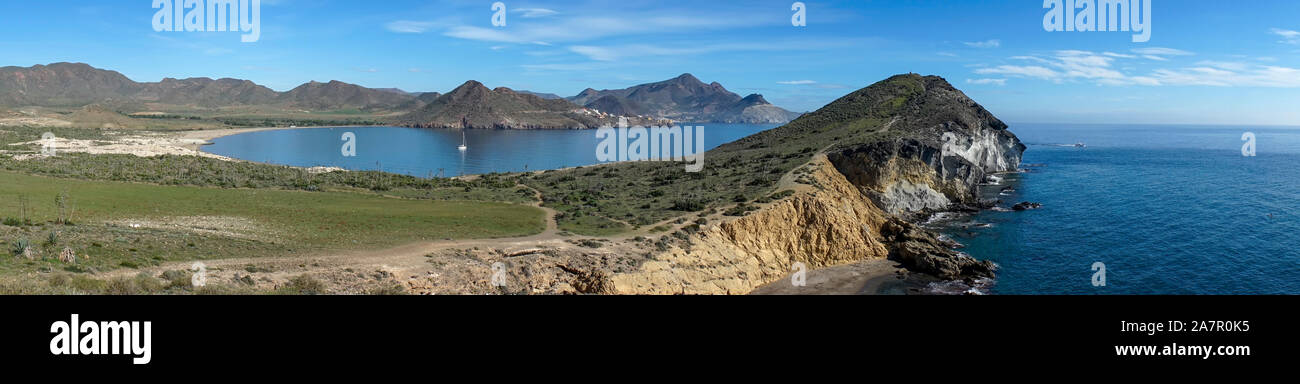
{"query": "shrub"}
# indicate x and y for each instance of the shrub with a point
(305, 285)
(141, 284)
(688, 205)
(20, 247)
(387, 289)
(178, 279)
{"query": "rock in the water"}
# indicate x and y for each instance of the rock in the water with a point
(920, 251)
(1025, 206)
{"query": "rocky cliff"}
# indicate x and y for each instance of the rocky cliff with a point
(820, 227)
(853, 177)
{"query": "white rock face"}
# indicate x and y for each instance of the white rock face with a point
(985, 150)
(906, 197)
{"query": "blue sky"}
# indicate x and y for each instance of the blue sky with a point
(1207, 62)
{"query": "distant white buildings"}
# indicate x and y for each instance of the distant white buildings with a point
(598, 114)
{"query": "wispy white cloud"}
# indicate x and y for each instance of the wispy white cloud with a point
(1160, 54)
(1260, 76)
(1030, 71)
(993, 43)
(595, 53)
(1075, 65)
(581, 28)
(1225, 65)
(797, 82)
(530, 13)
(1288, 36)
(998, 82)
(407, 26)
(616, 52)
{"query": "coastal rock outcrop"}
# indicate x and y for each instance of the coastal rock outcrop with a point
(1025, 206)
(949, 146)
(933, 147)
(921, 251)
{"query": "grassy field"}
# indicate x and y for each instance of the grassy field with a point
(206, 172)
(187, 223)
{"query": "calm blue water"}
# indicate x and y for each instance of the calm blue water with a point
(1168, 209)
(425, 152)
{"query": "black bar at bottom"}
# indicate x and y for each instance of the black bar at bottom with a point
(189, 333)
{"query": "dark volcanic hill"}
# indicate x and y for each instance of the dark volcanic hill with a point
(615, 105)
(76, 85)
(473, 105)
(206, 92)
(548, 96)
(685, 98)
(337, 95)
(63, 84)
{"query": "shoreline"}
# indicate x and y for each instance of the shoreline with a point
(212, 134)
(873, 277)
(160, 143)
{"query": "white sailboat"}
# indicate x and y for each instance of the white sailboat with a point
(464, 145)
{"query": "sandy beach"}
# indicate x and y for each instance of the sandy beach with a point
(151, 143)
(868, 277)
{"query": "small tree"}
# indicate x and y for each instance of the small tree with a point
(22, 204)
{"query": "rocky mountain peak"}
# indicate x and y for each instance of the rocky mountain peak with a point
(687, 78)
(754, 99)
(470, 90)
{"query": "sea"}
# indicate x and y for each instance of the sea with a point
(1143, 209)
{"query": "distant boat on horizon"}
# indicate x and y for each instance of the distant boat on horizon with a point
(464, 144)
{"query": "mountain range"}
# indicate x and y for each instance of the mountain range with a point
(685, 98)
(472, 105)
